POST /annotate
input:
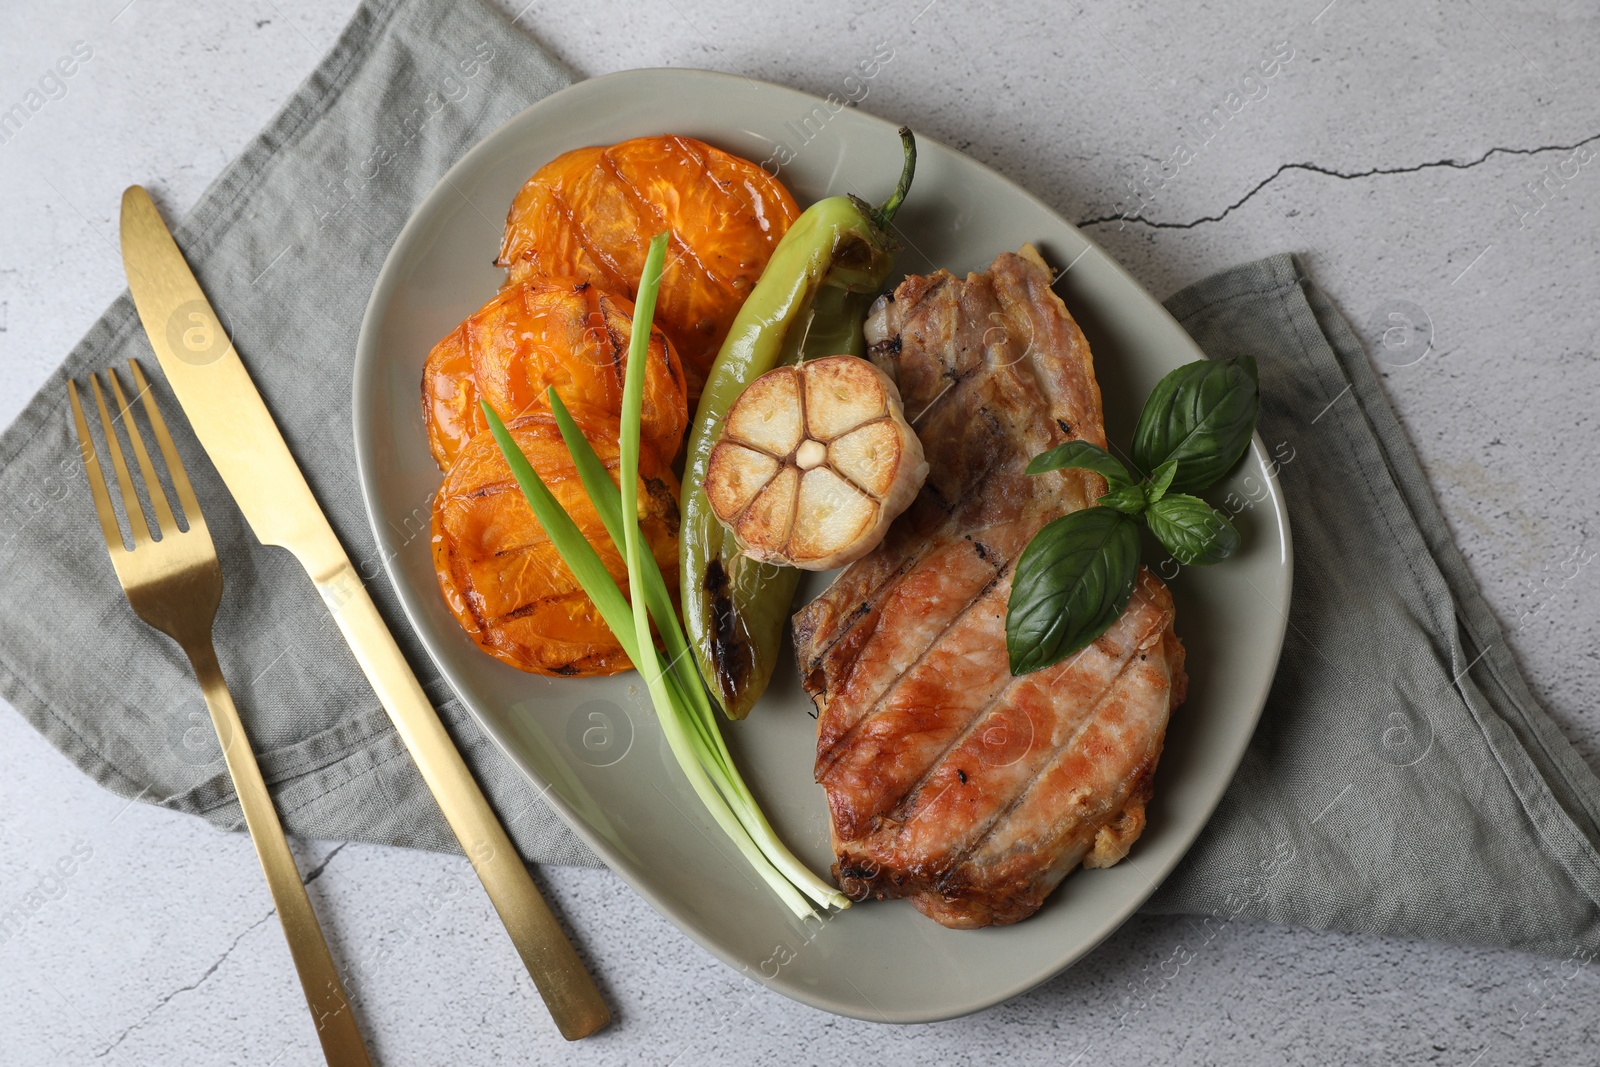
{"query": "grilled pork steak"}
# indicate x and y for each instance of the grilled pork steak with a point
(951, 783)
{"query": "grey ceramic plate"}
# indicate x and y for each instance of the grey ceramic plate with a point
(595, 742)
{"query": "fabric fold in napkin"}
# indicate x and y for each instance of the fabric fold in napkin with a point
(1403, 779)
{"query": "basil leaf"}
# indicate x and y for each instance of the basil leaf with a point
(1161, 481)
(1201, 417)
(1195, 534)
(1128, 499)
(1081, 455)
(1071, 583)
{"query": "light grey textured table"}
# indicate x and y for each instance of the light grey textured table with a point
(1393, 151)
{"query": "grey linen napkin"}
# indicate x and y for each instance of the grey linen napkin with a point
(1403, 780)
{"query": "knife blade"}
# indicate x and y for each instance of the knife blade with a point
(245, 446)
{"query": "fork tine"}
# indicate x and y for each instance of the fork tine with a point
(152, 485)
(169, 451)
(97, 479)
(137, 520)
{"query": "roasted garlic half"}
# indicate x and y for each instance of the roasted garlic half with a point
(814, 462)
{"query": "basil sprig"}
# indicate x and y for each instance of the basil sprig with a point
(1072, 581)
(1081, 455)
(1200, 417)
(1077, 574)
(1196, 535)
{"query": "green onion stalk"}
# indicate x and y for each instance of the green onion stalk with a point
(676, 689)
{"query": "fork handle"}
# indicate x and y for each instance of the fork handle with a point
(342, 1045)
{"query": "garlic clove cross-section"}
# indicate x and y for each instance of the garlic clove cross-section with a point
(814, 462)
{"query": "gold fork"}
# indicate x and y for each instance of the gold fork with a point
(175, 585)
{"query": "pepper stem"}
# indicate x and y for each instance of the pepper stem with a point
(885, 214)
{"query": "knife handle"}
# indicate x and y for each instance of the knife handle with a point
(568, 990)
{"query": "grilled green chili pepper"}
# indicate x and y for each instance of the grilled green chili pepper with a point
(810, 302)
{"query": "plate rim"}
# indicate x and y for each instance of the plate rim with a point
(367, 357)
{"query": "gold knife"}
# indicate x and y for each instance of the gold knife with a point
(239, 434)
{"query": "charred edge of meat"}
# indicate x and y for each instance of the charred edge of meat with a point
(726, 649)
(814, 682)
(885, 348)
(813, 664)
(923, 293)
(813, 667)
(855, 614)
(859, 880)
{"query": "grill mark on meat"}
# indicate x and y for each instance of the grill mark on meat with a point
(954, 863)
(1062, 815)
(957, 380)
(888, 706)
(1043, 680)
(1003, 563)
(1124, 665)
(824, 770)
(980, 719)
(1033, 793)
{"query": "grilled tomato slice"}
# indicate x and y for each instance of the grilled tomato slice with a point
(504, 581)
(592, 212)
(548, 331)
